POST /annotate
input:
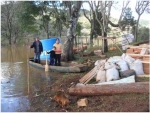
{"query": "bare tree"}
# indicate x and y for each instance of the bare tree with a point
(91, 20)
(105, 8)
(124, 7)
(7, 15)
(140, 8)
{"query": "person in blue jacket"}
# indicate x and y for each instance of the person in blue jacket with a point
(38, 49)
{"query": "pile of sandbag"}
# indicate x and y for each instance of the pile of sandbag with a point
(118, 67)
(126, 40)
(107, 71)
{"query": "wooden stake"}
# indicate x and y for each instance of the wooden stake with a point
(46, 66)
(28, 73)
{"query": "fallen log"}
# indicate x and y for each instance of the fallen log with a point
(109, 89)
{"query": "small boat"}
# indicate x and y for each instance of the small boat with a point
(66, 67)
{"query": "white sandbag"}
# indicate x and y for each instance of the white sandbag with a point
(123, 56)
(115, 59)
(112, 74)
(111, 71)
(124, 47)
(101, 76)
(123, 65)
(109, 65)
(126, 40)
(100, 62)
(137, 66)
(129, 59)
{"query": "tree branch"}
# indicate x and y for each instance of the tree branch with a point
(86, 15)
(112, 24)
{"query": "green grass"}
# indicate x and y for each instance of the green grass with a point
(113, 53)
(142, 79)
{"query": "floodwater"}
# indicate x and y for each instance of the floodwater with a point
(18, 79)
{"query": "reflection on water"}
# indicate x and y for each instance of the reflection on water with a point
(14, 79)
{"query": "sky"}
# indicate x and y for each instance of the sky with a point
(115, 13)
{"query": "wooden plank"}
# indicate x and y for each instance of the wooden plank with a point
(94, 74)
(84, 78)
(90, 78)
(110, 89)
(100, 37)
(137, 54)
(87, 75)
(146, 62)
(139, 47)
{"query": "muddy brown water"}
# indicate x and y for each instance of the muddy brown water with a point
(18, 80)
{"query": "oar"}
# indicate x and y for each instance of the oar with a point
(46, 66)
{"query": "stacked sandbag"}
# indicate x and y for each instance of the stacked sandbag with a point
(123, 65)
(137, 66)
(116, 67)
(101, 75)
(127, 58)
(100, 62)
(115, 59)
(119, 60)
(107, 71)
(111, 71)
(126, 40)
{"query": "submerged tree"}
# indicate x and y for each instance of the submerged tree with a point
(10, 27)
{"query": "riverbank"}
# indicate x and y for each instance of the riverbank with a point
(42, 101)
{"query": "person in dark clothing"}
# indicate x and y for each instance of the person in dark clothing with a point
(38, 48)
(52, 56)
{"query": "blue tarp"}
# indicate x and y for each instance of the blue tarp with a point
(47, 46)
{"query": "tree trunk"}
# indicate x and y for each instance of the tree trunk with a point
(68, 44)
(136, 28)
(75, 40)
(91, 38)
(92, 30)
(110, 89)
(105, 43)
(47, 35)
(10, 37)
(10, 41)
